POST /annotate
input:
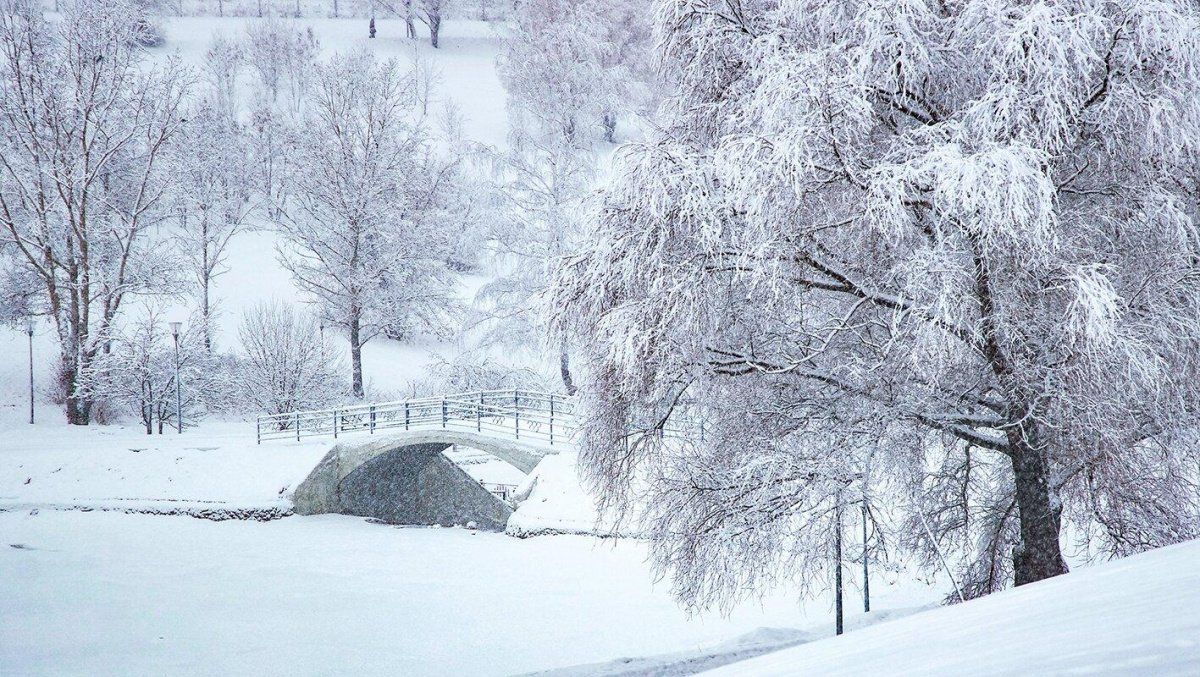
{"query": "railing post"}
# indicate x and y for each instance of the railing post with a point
(297, 426)
(335, 423)
(444, 412)
(372, 419)
(479, 414)
(258, 430)
(552, 419)
(406, 415)
(517, 413)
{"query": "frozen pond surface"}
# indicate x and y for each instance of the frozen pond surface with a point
(108, 593)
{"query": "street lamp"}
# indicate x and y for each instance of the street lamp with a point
(29, 332)
(178, 406)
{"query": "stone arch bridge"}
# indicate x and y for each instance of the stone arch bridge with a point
(401, 475)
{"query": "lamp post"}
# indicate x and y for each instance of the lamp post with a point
(178, 401)
(29, 333)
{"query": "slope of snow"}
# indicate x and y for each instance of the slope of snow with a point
(1139, 615)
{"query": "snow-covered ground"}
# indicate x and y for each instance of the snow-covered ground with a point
(1135, 616)
(108, 593)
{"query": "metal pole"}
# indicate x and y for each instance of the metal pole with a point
(866, 573)
(335, 423)
(178, 400)
(29, 331)
(479, 414)
(552, 419)
(297, 426)
(372, 419)
(258, 431)
(443, 412)
(516, 414)
(406, 415)
(837, 562)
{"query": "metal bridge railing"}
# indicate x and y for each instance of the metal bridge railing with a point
(538, 417)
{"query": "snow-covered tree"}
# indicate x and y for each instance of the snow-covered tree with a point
(84, 130)
(212, 197)
(541, 181)
(948, 232)
(282, 60)
(286, 365)
(359, 237)
(578, 65)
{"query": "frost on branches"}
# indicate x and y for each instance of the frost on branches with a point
(937, 254)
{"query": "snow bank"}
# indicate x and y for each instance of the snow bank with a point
(1139, 615)
(552, 500)
(215, 471)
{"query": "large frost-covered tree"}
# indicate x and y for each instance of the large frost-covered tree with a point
(956, 238)
(84, 128)
(360, 237)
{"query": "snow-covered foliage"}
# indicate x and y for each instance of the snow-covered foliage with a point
(941, 252)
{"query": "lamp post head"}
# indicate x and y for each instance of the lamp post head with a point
(175, 328)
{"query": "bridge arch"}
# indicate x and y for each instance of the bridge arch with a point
(404, 478)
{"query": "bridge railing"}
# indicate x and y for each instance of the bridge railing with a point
(544, 418)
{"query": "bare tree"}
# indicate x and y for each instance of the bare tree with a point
(85, 126)
(358, 234)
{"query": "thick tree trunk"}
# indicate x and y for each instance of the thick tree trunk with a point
(410, 29)
(435, 29)
(1039, 556)
(356, 355)
(79, 409)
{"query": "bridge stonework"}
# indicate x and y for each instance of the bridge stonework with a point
(405, 478)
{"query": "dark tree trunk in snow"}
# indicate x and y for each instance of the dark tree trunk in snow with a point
(356, 354)
(410, 29)
(435, 29)
(837, 563)
(610, 127)
(1039, 556)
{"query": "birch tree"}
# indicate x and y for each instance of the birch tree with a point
(84, 129)
(951, 230)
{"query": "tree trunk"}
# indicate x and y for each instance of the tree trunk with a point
(564, 367)
(435, 29)
(410, 29)
(610, 127)
(79, 409)
(1039, 556)
(356, 355)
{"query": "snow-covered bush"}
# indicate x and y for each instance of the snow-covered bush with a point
(286, 365)
(138, 373)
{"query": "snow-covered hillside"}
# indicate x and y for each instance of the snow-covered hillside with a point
(1136, 616)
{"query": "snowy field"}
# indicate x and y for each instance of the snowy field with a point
(107, 593)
